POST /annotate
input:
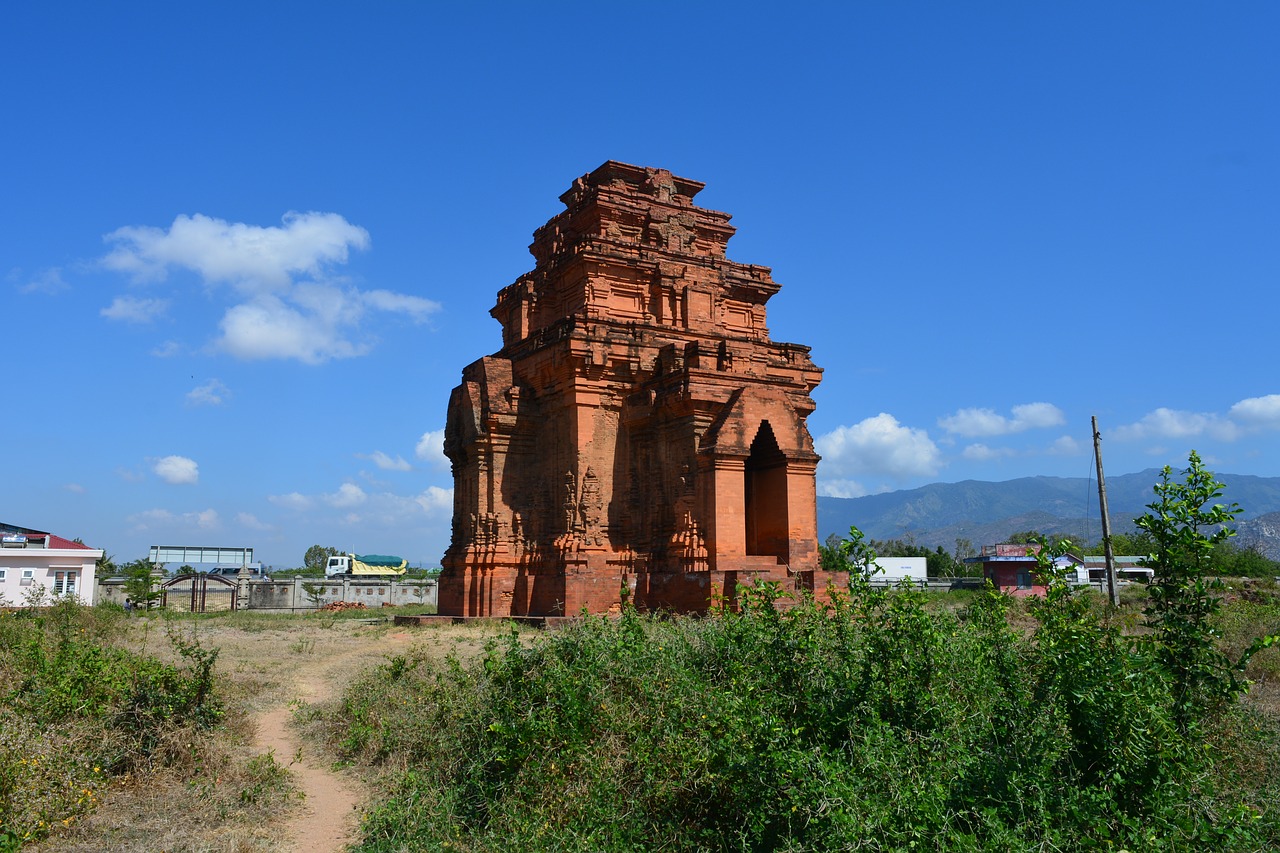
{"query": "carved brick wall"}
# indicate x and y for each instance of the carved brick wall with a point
(638, 435)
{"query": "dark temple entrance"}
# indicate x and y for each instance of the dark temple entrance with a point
(766, 496)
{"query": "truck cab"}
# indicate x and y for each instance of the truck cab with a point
(339, 564)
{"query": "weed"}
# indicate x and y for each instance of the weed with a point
(75, 710)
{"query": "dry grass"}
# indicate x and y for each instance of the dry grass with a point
(220, 794)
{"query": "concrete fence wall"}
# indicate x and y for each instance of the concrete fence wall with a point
(294, 594)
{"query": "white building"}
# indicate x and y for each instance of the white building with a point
(33, 558)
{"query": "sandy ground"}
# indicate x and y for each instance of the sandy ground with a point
(329, 816)
(314, 664)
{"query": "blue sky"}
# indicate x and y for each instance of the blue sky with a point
(248, 248)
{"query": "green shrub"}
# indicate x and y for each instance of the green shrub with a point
(876, 724)
(75, 709)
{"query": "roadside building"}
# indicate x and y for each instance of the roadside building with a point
(1128, 569)
(1011, 568)
(30, 559)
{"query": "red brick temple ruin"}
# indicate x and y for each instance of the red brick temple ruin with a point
(638, 436)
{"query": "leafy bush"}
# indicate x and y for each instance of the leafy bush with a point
(876, 723)
(881, 726)
(76, 709)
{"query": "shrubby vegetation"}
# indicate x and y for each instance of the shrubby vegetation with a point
(878, 722)
(77, 710)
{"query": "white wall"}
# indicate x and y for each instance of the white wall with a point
(25, 568)
(894, 569)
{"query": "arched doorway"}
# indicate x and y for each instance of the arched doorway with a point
(766, 497)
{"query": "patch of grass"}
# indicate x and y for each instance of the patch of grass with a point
(82, 717)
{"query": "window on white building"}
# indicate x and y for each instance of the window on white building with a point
(28, 577)
(2, 573)
(64, 583)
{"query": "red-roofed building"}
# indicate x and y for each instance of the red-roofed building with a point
(1012, 568)
(33, 559)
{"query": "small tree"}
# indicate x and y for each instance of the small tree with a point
(1185, 530)
(314, 593)
(139, 585)
(317, 556)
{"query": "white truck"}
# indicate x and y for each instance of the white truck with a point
(369, 565)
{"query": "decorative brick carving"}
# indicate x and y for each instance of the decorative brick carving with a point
(638, 435)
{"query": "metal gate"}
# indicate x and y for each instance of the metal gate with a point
(199, 593)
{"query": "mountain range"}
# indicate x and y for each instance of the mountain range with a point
(985, 513)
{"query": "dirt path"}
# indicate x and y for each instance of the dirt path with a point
(328, 818)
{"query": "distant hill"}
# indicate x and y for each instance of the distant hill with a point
(986, 513)
(1260, 534)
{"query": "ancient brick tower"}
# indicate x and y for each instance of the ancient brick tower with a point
(638, 435)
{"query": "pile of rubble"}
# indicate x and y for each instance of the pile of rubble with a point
(339, 606)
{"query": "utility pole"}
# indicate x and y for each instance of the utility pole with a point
(1112, 591)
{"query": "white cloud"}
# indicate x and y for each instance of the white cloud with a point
(157, 519)
(435, 500)
(983, 453)
(430, 448)
(879, 445)
(266, 327)
(1065, 445)
(417, 308)
(74, 488)
(251, 522)
(177, 470)
(206, 520)
(348, 495)
(48, 281)
(168, 349)
(293, 500)
(131, 309)
(842, 489)
(211, 393)
(975, 422)
(248, 256)
(1257, 412)
(289, 304)
(1171, 423)
(385, 462)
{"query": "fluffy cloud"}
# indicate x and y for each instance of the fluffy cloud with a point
(842, 489)
(289, 306)
(972, 423)
(436, 500)
(211, 393)
(267, 328)
(415, 307)
(1065, 445)
(177, 470)
(386, 508)
(131, 309)
(1171, 423)
(879, 446)
(430, 449)
(74, 488)
(385, 462)
(982, 453)
(293, 500)
(1257, 412)
(248, 256)
(48, 281)
(347, 495)
(251, 522)
(168, 349)
(163, 519)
